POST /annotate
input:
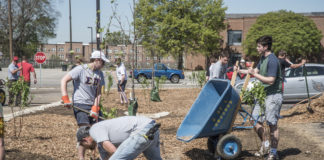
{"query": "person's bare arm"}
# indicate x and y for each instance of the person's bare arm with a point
(242, 71)
(109, 147)
(35, 79)
(299, 64)
(264, 79)
(16, 70)
(64, 82)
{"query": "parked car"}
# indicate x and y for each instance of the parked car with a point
(159, 70)
(295, 85)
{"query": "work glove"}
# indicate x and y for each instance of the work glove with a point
(66, 101)
(95, 112)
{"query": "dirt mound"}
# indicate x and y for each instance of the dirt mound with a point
(299, 113)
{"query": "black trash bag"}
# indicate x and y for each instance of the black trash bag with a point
(155, 95)
(132, 107)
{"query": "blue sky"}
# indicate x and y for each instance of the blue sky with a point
(84, 14)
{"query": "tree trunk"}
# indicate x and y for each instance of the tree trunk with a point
(180, 61)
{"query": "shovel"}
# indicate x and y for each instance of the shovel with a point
(309, 109)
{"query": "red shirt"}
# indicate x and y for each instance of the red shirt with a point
(27, 68)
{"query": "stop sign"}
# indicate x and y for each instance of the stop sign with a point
(40, 57)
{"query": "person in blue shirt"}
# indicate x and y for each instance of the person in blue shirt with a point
(268, 72)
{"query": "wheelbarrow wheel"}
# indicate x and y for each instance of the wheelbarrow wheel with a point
(212, 143)
(229, 147)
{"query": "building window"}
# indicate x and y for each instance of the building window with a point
(38, 49)
(77, 50)
(147, 58)
(234, 37)
(53, 49)
(44, 49)
(61, 49)
(110, 51)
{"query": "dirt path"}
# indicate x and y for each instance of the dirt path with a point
(51, 134)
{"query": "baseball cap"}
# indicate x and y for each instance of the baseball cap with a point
(242, 61)
(99, 55)
(82, 132)
(15, 58)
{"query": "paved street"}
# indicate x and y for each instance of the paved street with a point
(47, 89)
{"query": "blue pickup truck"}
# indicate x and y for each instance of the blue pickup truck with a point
(159, 70)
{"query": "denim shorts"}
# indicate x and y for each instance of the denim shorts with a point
(271, 114)
(82, 117)
(134, 145)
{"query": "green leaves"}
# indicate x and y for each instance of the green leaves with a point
(174, 27)
(33, 23)
(20, 87)
(256, 93)
(198, 77)
(294, 33)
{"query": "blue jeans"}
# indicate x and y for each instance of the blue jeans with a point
(135, 145)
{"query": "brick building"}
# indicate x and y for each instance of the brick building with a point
(60, 51)
(238, 27)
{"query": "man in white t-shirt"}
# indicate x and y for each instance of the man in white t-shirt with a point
(122, 80)
(122, 138)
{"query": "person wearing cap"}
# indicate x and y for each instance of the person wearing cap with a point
(13, 76)
(242, 64)
(122, 138)
(88, 80)
(121, 80)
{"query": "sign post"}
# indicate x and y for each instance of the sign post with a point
(40, 58)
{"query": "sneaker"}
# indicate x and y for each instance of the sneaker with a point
(273, 157)
(263, 151)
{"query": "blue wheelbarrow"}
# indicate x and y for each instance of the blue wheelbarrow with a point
(212, 115)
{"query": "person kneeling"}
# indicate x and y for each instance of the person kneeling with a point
(122, 138)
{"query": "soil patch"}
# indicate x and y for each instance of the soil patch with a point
(50, 134)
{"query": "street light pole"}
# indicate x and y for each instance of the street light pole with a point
(98, 24)
(70, 17)
(91, 39)
(10, 30)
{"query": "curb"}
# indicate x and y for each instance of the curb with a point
(9, 116)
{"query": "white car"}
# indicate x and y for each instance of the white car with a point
(295, 83)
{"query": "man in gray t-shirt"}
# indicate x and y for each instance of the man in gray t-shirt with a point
(122, 138)
(88, 80)
(218, 69)
(13, 76)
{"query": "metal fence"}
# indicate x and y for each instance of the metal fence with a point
(4, 63)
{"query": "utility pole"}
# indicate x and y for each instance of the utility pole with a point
(91, 40)
(98, 24)
(70, 17)
(10, 30)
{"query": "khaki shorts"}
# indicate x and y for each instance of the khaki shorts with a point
(271, 114)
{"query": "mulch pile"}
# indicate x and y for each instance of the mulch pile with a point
(300, 114)
(51, 134)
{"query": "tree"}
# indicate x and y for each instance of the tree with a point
(294, 33)
(33, 22)
(116, 38)
(179, 27)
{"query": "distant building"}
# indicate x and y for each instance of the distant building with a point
(60, 51)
